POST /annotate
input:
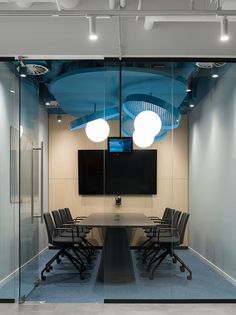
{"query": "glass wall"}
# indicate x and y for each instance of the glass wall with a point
(9, 178)
(158, 213)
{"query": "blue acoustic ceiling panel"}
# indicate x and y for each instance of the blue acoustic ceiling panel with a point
(77, 92)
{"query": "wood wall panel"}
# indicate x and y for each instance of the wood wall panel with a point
(172, 177)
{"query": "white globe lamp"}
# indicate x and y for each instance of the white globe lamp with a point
(142, 139)
(148, 122)
(97, 130)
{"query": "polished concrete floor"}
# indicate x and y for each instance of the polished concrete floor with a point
(119, 309)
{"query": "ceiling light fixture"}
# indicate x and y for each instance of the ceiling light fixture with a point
(92, 28)
(12, 91)
(149, 122)
(188, 90)
(215, 75)
(59, 119)
(224, 35)
(47, 103)
(142, 140)
(191, 105)
(23, 71)
(97, 130)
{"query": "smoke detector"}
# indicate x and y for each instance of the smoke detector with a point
(209, 65)
(35, 69)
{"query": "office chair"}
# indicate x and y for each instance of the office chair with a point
(85, 229)
(166, 219)
(87, 252)
(70, 218)
(66, 245)
(150, 249)
(167, 242)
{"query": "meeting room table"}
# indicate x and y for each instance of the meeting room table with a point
(116, 265)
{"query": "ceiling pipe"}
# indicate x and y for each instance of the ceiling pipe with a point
(122, 3)
(139, 8)
(67, 5)
(150, 20)
(112, 4)
(123, 13)
(24, 3)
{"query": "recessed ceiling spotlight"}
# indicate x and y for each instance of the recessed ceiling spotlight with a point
(215, 75)
(12, 91)
(59, 118)
(92, 28)
(191, 105)
(47, 103)
(224, 35)
(188, 90)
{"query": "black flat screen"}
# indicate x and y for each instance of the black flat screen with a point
(117, 174)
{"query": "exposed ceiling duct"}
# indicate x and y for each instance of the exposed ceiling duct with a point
(150, 20)
(24, 3)
(67, 5)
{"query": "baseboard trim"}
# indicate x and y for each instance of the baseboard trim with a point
(7, 300)
(172, 301)
(216, 268)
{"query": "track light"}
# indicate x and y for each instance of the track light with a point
(23, 71)
(92, 28)
(224, 36)
(59, 118)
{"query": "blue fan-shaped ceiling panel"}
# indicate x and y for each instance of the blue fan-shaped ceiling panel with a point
(77, 92)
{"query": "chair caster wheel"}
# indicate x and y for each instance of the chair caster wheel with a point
(51, 267)
(151, 277)
(148, 268)
(81, 277)
(47, 270)
(189, 277)
(58, 260)
(182, 269)
(144, 261)
(174, 260)
(43, 278)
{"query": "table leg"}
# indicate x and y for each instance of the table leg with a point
(116, 262)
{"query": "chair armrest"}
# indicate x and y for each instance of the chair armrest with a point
(166, 229)
(66, 229)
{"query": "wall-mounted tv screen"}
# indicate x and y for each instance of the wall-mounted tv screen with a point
(102, 173)
(120, 145)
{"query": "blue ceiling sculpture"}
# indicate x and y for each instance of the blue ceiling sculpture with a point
(79, 91)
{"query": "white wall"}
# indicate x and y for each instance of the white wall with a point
(212, 175)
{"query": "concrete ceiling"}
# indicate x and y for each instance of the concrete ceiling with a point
(59, 29)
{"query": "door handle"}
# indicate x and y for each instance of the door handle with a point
(41, 182)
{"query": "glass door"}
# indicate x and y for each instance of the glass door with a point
(31, 168)
(9, 182)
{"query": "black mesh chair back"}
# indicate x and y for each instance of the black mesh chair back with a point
(166, 213)
(169, 217)
(63, 215)
(57, 218)
(175, 220)
(182, 226)
(49, 226)
(68, 214)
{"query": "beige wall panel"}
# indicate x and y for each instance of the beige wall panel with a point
(172, 177)
(180, 150)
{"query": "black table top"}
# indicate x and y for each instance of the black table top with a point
(117, 220)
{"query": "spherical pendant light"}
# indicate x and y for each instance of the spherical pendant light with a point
(148, 122)
(142, 139)
(97, 130)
